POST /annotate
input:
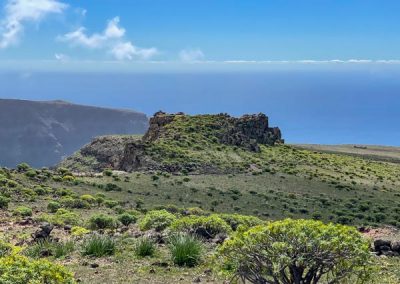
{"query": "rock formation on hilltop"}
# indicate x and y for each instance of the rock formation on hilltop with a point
(43, 133)
(176, 142)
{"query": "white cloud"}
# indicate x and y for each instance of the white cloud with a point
(61, 57)
(112, 39)
(127, 51)
(19, 12)
(191, 55)
(113, 30)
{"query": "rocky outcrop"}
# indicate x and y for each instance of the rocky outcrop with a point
(250, 130)
(387, 247)
(171, 133)
(247, 131)
(105, 152)
(43, 133)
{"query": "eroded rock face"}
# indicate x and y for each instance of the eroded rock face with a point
(250, 130)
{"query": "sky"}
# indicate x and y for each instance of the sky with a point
(199, 30)
(325, 71)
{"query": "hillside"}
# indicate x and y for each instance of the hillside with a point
(200, 143)
(202, 176)
(372, 152)
(43, 133)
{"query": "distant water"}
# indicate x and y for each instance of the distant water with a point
(330, 107)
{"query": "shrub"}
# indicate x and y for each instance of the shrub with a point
(77, 231)
(204, 226)
(236, 220)
(4, 202)
(61, 218)
(50, 248)
(157, 219)
(110, 203)
(31, 173)
(296, 251)
(65, 217)
(127, 219)
(22, 211)
(18, 269)
(5, 249)
(23, 167)
(185, 249)
(112, 187)
(98, 246)
(88, 198)
(101, 221)
(53, 206)
(145, 247)
(71, 202)
(107, 172)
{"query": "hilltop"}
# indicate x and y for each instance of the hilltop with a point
(178, 142)
(42, 133)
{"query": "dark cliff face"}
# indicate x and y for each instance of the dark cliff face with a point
(43, 133)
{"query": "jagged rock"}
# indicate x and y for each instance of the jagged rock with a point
(43, 233)
(395, 245)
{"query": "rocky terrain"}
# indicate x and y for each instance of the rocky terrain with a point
(43, 133)
(170, 138)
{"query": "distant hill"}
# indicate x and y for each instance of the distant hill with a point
(43, 133)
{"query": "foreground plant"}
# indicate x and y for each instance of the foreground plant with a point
(297, 252)
(18, 269)
(185, 249)
(145, 247)
(98, 246)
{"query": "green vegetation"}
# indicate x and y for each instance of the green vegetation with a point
(98, 246)
(145, 247)
(157, 219)
(185, 249)
(297, 251)
(166, 228)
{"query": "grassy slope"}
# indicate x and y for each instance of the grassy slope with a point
(373, 152)
(277, 182)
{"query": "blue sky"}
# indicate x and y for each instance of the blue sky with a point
(325, 71)
(200, 30)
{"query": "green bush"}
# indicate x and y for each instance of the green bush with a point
(236, 220)
(145, 247)
(204, 226)
(306, 250)
(98, 246)
(5, 249)
(157, 219)
(110, 203)
(185, 249)
(18, 269)
(88, 198)
(77, 231)
(23, 167)
(101, 221)
(22, 211)
(61, 218)
(4, 201)
(127, 219)
(53, 206)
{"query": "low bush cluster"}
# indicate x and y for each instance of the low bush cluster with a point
(157, 219)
